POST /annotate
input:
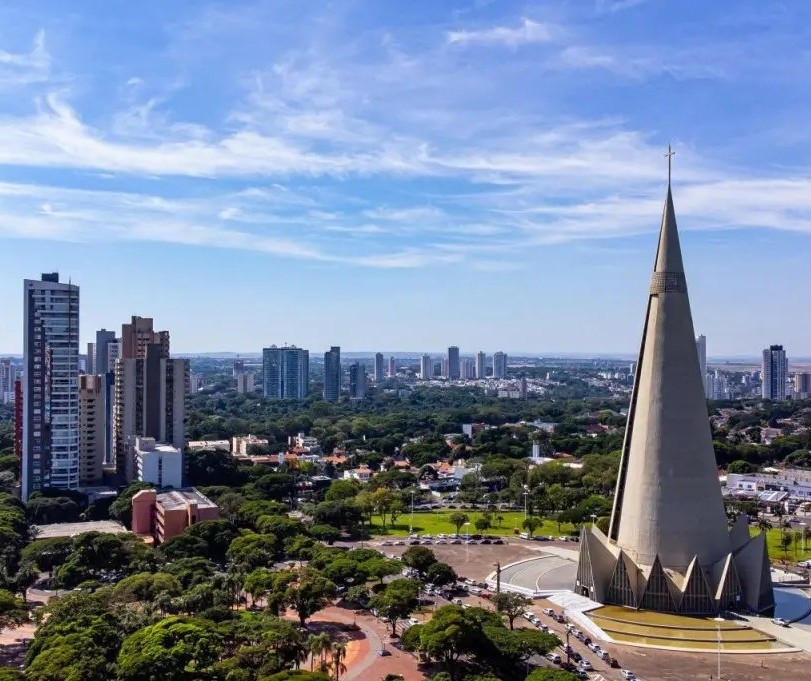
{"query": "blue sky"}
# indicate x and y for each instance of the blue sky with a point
(409, 175)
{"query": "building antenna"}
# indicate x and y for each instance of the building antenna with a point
(669, 156)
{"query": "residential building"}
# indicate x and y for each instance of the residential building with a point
(239, 366)
(150, 401)
(157, 463)
(138, 334)
(467, 369)
(669, 547)
(392, 367)
(444, 369)
(453, 363)
(481, 364)
(362, 473)
(50, 387)
(245, 383)
(802, 385)
(219, 445)
(241, 444)
(92, 428)
(102, 362)
(774, 373)
(500, 365)
(378, 367)
(523, 388)
(285, 372)
(8, 375)
(161, 516)
(426, 367)
(357, 381)
(114, 351)
(195, 383)
(332, 374)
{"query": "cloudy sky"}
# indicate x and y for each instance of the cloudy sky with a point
(407, 175)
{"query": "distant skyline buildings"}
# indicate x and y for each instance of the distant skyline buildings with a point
(8, 374)
(357, 381)
(333, 374)
(426, 367)
(379, 367)
(481, 364)
(774, 373)
(285, 372)
(454, 368)
(500, 365)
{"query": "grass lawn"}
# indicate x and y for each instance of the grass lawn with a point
(795, 551)
(437, 522)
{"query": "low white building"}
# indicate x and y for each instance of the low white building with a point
(241, 443)
(158, 463)
(222, 445)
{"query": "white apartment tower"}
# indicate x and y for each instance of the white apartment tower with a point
(774, 373)
(8, 374)
(50, 448)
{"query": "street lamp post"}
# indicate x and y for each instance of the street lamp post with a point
(526, 495)
(718, 621)
(411, 517)
(593, 519)
(467, 545)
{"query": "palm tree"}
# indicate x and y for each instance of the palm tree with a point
(318, 645)
(338, 657)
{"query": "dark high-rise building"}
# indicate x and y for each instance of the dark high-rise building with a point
(500, 365)
(104, 360)
(357, 381)
(286, 372)
(453, 363)
(50, 447)
(379, 367)
(775, 373)
(139, 333)
(332, 374)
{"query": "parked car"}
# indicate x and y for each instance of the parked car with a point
(593, 647)
(780, 622)
(553, 657)
(603, 655)
(585, 665)
(627, 674)
(548, 611)
(498, 541)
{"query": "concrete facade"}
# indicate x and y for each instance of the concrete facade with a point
(669, 547)
(92, 428)
(158, 463)
(161, 516)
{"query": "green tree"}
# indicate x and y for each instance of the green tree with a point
(530, 524)
(440, 574)
(551, 675)
(181, 648)
(419, 558)
(447, 636)
(13, 612)
(511, 605)
(253, 550)
(458, 519)
(147, 587)
(482, 523)
(121, 508)
(311, 593)
(378, 568)
(397, 601)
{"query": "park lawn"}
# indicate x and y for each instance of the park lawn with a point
(437, 522)
(795, 552)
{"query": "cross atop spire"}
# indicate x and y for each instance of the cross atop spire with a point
(669, 156)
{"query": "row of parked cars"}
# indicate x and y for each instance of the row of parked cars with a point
(582, 666)
(439, 540)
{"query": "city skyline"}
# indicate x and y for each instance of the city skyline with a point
(273, 160)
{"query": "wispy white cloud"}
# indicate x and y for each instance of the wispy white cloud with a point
(528, 32)
(25, 68)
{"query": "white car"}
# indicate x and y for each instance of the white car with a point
(603, 655)
(585, 665)
(593, 647)
(780, 622)
(553, 657)
(627, 674)
(805, 563)
(549, 612)
(528, 616)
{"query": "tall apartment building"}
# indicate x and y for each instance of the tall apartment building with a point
(107, 351)
(101, 362)
(467, 368)
(50, 389)
(138, 334)
(378, 367)
(8, 375)
(453, 363)
(802, 385)
(481, 364)
(701, 349)
(92, 428)
(357, 381)
(426, 367)
(774, 373)
(392, 367)
(332, 374)
(150, 401)
(286, 372)
(443, 367)
(239, 366)
(500, 365)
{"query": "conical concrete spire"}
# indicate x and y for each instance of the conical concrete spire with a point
(668, 501)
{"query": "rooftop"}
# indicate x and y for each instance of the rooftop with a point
(72, 529)
(180, 498)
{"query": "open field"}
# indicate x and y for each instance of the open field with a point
(795, 551)
(437, 522)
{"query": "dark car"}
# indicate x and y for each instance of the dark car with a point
(383, 652)
(498, 541)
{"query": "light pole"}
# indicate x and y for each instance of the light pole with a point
(526, 495)
(411, 517)
(467, 546)
(593, 519)
(803, 525)
(718, 621)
